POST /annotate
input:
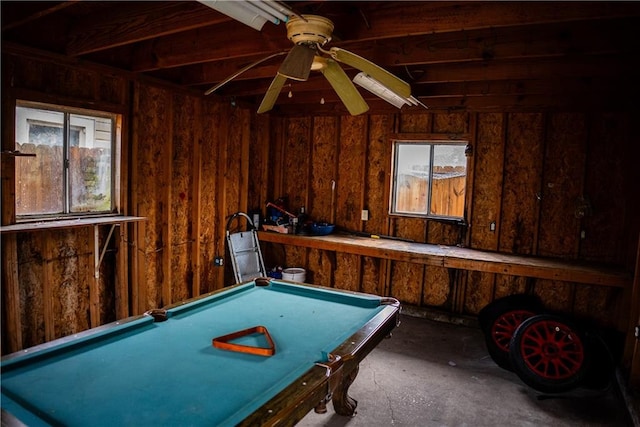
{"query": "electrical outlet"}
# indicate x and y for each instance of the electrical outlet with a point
(365, 215)
(219, 261)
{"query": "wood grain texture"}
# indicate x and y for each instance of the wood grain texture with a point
(603, 214)
(488, 157)
(522, 183)
(564, 166)
(350, 183)
(151, 141)
(324, 159)
(181, 203)
(378, 169)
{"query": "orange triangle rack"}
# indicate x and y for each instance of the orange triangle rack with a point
(223, 342)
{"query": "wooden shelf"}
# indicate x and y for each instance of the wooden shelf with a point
(68, 223)
(459, 258)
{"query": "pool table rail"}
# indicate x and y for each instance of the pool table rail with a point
(329, 381)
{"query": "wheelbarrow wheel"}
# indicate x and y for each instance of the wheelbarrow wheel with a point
(549, 354)
(499, 320)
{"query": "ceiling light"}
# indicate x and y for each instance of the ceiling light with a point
(251, 13)
(378, 89)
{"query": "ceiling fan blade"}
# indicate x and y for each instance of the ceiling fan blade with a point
(297, 64)
(237, 73)
(392, 82)
(271, 96)
(347, 92)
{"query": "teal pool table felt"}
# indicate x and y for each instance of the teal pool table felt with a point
(168, 373)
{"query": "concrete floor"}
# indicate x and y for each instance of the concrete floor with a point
(439, 374)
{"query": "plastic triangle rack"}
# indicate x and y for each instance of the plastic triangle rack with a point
(224, 342)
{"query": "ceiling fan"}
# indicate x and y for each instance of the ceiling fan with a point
(309, 33)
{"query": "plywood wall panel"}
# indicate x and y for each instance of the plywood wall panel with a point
(414, 123)
(595, 302)
(70, 286)
(556, 296)
(324, 158)
(297, 152)
(521, 182)
(295, 256)
(451, 123)
(350, 183)
(371, 274)
(258, 162)
(437, 287)
(603, 214)
(31, 274)
(347, 272)
(78, 83)
(445, 233)
(181, 204)
(151, 140)
(321, 265)
(488, 158)
(562, 184)
(210, 223)
(508, 285)
(406, 278)
(478, 291)
(235, 143)
(378, 167)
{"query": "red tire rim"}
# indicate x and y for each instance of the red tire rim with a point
(552, 350)
(505, 325)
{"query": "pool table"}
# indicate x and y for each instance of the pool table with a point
(165, 367)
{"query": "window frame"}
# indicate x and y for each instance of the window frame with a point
(115, 146)
(432, 141)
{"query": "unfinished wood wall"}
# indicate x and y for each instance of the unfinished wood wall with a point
(189, 162)
(545, 178)
(185, 168)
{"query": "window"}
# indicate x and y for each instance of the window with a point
(73, 171)
(429, 179)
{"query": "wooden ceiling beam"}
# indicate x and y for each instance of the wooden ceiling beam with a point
(565, 67)
(31, 11)
(537, 41)
(460, 46)
(406, 19)
(221, 42)
(476, 76)
(137, 22)
(498, 103)
(395, 19)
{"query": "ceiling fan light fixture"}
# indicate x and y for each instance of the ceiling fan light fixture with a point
(251, 13)
(309, 30)
(375, 87)
(273, 9)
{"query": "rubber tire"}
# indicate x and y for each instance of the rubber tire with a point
(567, 343)
(499, 319)
(603, 363)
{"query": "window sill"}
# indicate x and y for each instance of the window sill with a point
(67, 223)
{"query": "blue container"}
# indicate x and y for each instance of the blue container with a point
(321, 228)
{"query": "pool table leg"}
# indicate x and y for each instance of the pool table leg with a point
(344, 404)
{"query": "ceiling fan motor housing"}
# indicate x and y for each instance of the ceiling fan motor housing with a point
(315, 30)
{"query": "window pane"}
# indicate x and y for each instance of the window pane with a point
(412, 178)
(449, 180)
(90, 163)
(39, 184)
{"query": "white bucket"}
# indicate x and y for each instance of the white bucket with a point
(294, 274)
